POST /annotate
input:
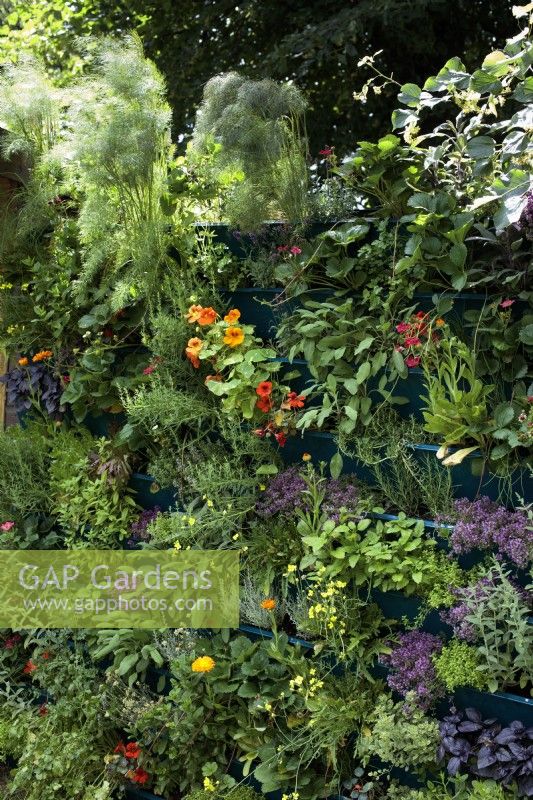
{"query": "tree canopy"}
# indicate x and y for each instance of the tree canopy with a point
(315, 43)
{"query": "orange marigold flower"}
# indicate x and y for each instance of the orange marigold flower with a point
(42, 355)
(264, 389)
(269, 604)
(234, 337)
(194, 313)
(306, 456)
(207, 316)
(23, 362)
(264, 404)
(232, 316)
(440, 322)
(203, 664)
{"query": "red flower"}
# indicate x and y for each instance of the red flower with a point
(326, 151)
(403, 327)
(296, 250)
(264, 404)
(412, 361)
(412, 341)
(264, 389)
(281, 438)
(295, 400)
(43, 710)
(65, 378)
(29, 667)
(120, 748)
(420, 315)
(140, 776)
(132, 750)
(507, 303)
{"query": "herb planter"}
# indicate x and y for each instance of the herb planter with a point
(149, 495)
(263, 633)
(105, 424)
(505, 706)
(396, 605)
(322, 447)
(472, 479)
(140, 794)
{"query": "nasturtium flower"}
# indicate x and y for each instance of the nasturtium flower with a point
(193, 314)
(232, 316)
(132, 750)
(294, 400)
(269, 604)
(233, 337)
(192, 350)
(440, 323)
(207, 316)
(264, 389)
(203, 664)
(140, 776)
(264, 404)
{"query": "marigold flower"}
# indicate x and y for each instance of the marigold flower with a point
(412, 361)
(208, 316)
(264, 404)
(264, 389)
(232, 316)
(193, 314)
(440, 323)
(269, 604)
(42, 355)
(203, 664)
(295, 400)
(23, 362)
(233, 337)
(306, 456)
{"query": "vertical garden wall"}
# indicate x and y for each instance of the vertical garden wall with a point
(321, 362)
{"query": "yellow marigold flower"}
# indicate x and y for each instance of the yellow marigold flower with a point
(42, 355)
(234, 337)
(203, 664)
(269, 604)
(23, 362)
(232, 316)
(306, 457)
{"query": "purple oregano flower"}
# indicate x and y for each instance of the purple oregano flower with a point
(411, 667)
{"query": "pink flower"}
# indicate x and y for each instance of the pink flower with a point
(148, 370)
(282, 248)
(507, 303)
(296, 250)
(412, 341)
(412, 361)
(403, 327)
(326, 151)
(6, 526)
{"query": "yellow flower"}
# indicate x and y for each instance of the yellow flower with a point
(191, 521)
(210, 504)
(269, 604)
(232, 316)
(306, 457)
(209, 786)
(23, 362)
(203, 664)
(234, 337)
(177, 545)
(291, 568)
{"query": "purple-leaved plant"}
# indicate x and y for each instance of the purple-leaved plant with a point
(411, 667)
(139, 528)
(34, 383)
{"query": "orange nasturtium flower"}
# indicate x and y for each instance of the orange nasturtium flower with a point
(203, 664)
(264, 404)
(23, 362)
(42, 355)
(192, 350)
(264, 389)
(193, 314)
(234, 337)
(208, 316)
(232, 316)
(269, 604)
